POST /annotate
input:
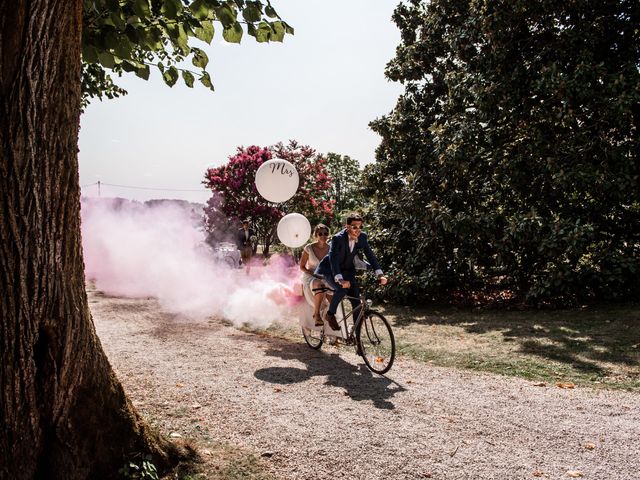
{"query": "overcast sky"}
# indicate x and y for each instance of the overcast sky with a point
(321, 87)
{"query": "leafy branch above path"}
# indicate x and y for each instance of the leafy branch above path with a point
(132, 35)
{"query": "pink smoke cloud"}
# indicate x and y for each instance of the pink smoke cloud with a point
(136, 250)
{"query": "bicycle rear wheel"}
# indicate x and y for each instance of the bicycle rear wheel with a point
(376, 341)
(313, 338)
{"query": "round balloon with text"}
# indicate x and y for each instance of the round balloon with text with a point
(277, 180)
(294, 230)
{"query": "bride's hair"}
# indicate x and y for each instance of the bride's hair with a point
(320, 228)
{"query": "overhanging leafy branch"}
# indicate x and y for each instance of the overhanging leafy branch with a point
(129, 36)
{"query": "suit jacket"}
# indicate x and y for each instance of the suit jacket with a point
(340, 258)
(241, 242)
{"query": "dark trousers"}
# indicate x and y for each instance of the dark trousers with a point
(339, 292)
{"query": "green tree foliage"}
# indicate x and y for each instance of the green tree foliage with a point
(133, 35)
(235, 196)
(346, 183)
(511, 159)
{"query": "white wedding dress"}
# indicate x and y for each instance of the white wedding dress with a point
(306, 317)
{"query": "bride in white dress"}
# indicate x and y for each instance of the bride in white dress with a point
(311, 256)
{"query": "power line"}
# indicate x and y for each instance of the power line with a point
(135, 187)
(153, 188)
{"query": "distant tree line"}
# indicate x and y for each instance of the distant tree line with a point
(510, 162)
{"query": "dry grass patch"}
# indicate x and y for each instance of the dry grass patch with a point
(596, 347)
(220, 461)
(215, 460)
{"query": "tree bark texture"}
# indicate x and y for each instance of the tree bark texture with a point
(63, 412)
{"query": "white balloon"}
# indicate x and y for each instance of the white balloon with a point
(294, 230)
(277, 180)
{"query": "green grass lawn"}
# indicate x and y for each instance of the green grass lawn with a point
(597, 347)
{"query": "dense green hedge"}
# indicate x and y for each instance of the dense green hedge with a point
(510, 163)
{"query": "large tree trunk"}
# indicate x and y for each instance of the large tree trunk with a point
(64, 414)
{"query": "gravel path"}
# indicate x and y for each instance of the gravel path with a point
(317, 415)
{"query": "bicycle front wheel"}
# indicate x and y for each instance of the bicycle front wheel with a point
(376, 341)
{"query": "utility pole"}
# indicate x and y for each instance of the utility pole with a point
(98, 188)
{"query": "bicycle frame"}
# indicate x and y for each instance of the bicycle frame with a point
(361, 326)
(360, 310)
(356, 314)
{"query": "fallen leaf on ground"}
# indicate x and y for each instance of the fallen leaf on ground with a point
(196, 405)
(589, 446)
(540, 384)
(276, 389)
(179, 385)
(565, 385)
(575, 473)
(537, 473)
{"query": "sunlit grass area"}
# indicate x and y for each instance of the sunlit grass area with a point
(598, 347)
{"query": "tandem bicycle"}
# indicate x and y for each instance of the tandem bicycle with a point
(363, 327)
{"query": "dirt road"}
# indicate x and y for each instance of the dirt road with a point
(322, 415)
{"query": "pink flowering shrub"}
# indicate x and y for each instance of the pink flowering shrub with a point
(235, 195)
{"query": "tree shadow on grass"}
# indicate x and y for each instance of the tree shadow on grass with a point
(357, 380)
(562, 354)
(584, 339)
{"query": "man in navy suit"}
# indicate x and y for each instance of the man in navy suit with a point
(338, 268)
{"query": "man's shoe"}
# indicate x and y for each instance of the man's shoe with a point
(331, 320)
